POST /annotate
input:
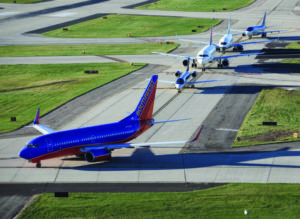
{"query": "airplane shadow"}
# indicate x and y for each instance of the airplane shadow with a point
(238, 89)
(145, 159)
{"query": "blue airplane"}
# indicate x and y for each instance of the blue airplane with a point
(182, 77)
(96, 143)
(260, 29)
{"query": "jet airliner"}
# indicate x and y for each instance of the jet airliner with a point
(259, 29)
(226, 41)
(96, 143)
(207, 55)
(182, 78)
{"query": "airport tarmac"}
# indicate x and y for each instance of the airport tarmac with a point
(181, 163)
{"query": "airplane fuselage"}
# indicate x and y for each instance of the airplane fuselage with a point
(254, 30)
(182, 79)
(206, 55)
(69, 142)
(225, 42)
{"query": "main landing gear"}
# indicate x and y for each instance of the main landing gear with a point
(194, 64)
(38, 165)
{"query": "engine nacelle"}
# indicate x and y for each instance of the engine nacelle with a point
(225, 62)
(185, 62)
(97, 155)
(194, 74)
(240, 48)
(177, 74)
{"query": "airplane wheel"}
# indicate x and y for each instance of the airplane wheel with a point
(203, 69)
(179, 91)
(193, 86)
(234, 49)
(264, 35)
(38, 165)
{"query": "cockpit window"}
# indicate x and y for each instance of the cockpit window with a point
(249, 28)
(203, 55)
(223, 43)
(32, 145)
(180, 81)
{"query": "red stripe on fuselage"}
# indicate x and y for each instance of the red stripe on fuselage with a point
(76, 149)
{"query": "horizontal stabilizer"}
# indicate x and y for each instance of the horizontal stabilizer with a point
(164, 121)
(41, 128)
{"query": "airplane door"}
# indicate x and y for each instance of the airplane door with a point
(49, 145)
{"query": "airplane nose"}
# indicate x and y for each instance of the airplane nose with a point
(23, 153)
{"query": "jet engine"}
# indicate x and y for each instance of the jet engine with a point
(239, 48)
(177, 74)
(225, 62)
(185, 62)
(194, 74)
(97, 155)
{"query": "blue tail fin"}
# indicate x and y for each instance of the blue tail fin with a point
(264, 20)
(145, 107)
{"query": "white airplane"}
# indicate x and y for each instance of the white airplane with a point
(226, 41)
(206, 56)
(182, 78)
(259, 30)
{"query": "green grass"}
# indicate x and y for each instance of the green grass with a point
(24, 88)
(136, 26)
(229, 201)
(197, 5)
(271, 105)
(79, 50)
(294, 45)
(20, 1)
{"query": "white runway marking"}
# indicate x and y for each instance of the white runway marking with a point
(63, 14)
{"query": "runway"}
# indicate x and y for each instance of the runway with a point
(222, 106)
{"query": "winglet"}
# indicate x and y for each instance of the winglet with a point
(37, 117)
(198, 134)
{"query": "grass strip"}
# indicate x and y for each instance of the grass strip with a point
(80, 50)
(229, 201)
(277, 105)
(133, 26)
(197, 5)
(24, 88)
(20, 1)
(294, 45)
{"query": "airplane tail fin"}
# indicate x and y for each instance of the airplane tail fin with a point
(210, 39)
(145, 107)
(228, 28)
(264, 19)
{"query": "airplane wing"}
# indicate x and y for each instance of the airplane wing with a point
(271, 31)
(245, 43)
(41, 128)
(234, 56)
(175, 55)
(136, 145)
(194, 41)
(196, 82)
(165, 81)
